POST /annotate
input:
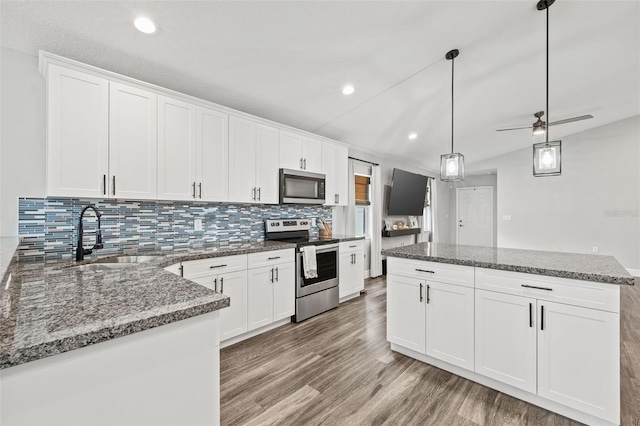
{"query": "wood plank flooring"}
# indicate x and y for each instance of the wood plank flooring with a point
(337, 369)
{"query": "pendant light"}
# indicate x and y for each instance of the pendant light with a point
(452, 165)
(547, 155)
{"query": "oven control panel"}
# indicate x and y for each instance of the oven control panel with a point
(283, 225)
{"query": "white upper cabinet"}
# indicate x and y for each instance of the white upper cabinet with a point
(132, 142)
(77, 133)
(253, 162)
(267, 177)
(212, 155)
(335, 166)
(176, 149)
(300, 153)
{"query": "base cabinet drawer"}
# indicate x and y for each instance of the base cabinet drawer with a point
(432, 271)
(268, 258)
(213, 266)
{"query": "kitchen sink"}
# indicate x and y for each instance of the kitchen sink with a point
(127, 259)
(100, 266)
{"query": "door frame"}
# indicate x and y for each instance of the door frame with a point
(458, 211)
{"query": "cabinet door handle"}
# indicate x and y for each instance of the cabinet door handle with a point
(542, 318)
(425, 270)
(335, 198)
(104, 184)
(428, 293)
(113, 189)
(305, 164)
(253, 193)
(181, 269)
(200, 190)
(217, 266)
(271, 274)
(274, 258)
(277, 275)
(537, 288)
(355, 259)
(222, 285)
(531, 315)
(194, 189)
(259, 191)
(421, 292)
(215, 284)
(301, 162)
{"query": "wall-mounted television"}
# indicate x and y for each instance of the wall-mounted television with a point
(408, 190)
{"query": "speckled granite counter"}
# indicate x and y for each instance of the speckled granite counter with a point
(586, 267)
(50, 308)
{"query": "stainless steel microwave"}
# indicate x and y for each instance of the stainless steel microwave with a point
(300, 187)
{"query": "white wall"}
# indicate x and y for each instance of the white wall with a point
(595, 202)
(22, 135)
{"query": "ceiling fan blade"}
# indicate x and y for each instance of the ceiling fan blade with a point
(515, 128)
(571, 120)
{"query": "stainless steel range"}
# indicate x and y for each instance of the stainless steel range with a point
(313, 295)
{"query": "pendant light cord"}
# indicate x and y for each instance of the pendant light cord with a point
(452, 74)
(547, 112)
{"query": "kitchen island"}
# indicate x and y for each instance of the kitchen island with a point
(541, 326)
(131, 345)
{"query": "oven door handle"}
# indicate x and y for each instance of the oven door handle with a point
(326, 248)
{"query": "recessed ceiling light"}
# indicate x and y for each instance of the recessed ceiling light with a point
(145, 25)
(413, 136)
(348, 89)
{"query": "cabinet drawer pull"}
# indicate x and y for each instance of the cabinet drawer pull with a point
(421, 292)
(425, 270)
(428, 293)
(274, 258)
(531, 315)
(217, 266)
(537, 288)
(353, 246)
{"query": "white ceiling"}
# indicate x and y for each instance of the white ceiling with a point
(288, 60)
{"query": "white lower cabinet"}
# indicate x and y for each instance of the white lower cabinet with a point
(284, 292)
(233, 320)
(405, 312)
(449, 325)
(578, 359)
(271, 294)
(351, 268)
(506, 339)
(565, 357)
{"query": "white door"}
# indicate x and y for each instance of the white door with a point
(358, 271)
(212, 155)
(267, 172)
(312, 154)
(284, 291)
(260, 283)
(579, 359)
(450, 320)
(406, 312)
(176, 149)
(291, 151)
(506, 338)
(242, 160)
(133, 142)
(233, 319)
(345, 272)
(475, 216)
(77, 134)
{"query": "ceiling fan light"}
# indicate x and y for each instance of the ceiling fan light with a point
(539, 129)
(452, 167)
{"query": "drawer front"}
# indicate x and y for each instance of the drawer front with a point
(605, 297)
(268, 258)
(351, 246)
(214, 266)
(431, 271)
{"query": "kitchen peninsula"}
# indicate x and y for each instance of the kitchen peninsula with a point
(135, 344)
(541, 326)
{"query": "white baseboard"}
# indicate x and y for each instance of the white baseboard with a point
(253, 333)
(634, 272)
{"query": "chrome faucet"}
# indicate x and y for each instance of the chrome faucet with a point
(80, 250)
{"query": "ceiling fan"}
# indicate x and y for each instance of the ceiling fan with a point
(539, 127)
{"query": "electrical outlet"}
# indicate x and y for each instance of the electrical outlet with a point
(595, 249)
(313, 222)
(197, 225)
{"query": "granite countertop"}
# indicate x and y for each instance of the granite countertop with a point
(50, 307)
(586, 267)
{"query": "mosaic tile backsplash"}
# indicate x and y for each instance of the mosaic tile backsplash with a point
(48, 227)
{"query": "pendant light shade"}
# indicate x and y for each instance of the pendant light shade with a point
(452, 165)
(547, 158)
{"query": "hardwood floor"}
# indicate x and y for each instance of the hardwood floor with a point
(337, 369)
